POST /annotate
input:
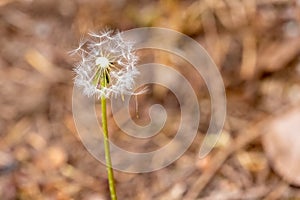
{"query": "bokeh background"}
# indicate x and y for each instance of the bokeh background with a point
(255, 44)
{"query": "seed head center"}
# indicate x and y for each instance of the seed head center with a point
(102, 62)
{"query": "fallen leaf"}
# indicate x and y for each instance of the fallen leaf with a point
(281, 143)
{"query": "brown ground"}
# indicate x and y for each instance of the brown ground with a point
(256, 46)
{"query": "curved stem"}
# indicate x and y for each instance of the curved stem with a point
(109, 169)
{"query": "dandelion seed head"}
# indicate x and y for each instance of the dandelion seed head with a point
(105, 55)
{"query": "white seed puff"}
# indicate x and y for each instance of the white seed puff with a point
(106, 54)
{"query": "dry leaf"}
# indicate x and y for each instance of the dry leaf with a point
(282, 145)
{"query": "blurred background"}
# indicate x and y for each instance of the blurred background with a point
(255, 44)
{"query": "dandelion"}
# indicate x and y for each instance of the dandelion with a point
(107, 68)
(106, 56)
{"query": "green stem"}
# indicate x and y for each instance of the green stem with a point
(109, 169)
